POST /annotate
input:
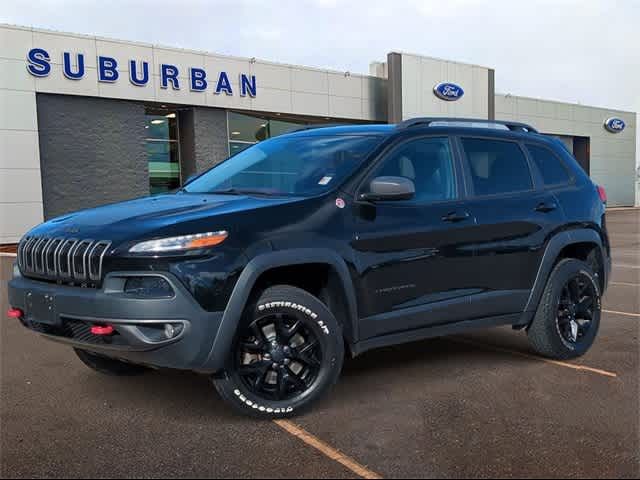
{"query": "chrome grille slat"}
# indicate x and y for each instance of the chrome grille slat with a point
(83, 253)
(96, 276)
(40, 256)
(27, 252)
(68, 260)
(34, 253)
(53, 247)
(21, 246)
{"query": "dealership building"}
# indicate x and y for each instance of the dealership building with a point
(86, 121)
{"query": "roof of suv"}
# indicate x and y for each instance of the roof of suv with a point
(465, 126)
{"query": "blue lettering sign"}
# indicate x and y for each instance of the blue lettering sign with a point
(39, 65)
(224, 84)
(107, 69)
(198, 82)
(74, 68)
(67, 68)
(247, 85)
(169, 73)
(133, 73)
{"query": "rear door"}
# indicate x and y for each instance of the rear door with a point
(515, 216)
(414, 257)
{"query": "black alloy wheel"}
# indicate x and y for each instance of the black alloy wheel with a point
(567, 319)
(278, 357)
(288, 352)
(576, 308)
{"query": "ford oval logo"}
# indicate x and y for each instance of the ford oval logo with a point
(448, 91)
(614, 125)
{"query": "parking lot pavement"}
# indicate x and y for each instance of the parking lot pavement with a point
(477, 405)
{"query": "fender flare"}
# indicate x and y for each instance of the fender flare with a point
(250, 274)
(553, 249)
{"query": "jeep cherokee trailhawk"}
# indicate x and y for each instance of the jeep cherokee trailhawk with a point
(265, 270)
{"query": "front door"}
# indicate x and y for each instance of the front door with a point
(413, 256)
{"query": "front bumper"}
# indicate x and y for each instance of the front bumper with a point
(65, 314)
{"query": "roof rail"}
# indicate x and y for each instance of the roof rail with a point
(427, 121)
(313, 126)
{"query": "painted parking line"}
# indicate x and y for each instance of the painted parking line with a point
(325, 449)
(630, 314)
(626, 284)
(558, 363)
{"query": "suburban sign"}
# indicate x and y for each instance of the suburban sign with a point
(614, 125)
(448, 91)
(109, 70)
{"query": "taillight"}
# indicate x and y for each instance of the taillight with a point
(602, 193)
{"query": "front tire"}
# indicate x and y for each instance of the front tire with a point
(568, 317)
(109, 366)
(287, 354)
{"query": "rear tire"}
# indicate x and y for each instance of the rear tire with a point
(568, 317)
(109, 366)
(287, 354)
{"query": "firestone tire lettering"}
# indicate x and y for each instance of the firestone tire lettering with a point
(255, 406)
(298, 307)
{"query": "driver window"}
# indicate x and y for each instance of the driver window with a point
(428, 163)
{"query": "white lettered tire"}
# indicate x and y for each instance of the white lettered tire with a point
(288, 352)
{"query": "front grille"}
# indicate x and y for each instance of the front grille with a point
(64, 260)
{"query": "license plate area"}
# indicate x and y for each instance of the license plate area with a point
(41, 308)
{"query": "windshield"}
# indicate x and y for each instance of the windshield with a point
(287, 166)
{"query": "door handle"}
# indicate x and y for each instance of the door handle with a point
(546, 207)
(456, 217)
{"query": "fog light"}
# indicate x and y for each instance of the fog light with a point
(151, 286)
(169, 331)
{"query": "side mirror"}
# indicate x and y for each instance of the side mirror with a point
(389, 188)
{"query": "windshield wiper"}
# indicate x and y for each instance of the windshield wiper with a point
(240, 191)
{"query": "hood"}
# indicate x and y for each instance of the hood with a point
(144, 216)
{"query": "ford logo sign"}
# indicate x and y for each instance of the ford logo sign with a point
(614, 125)
(448, 91)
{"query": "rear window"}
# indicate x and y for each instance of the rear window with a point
(497, 166)
(551, 167)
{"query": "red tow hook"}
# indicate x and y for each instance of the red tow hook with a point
(15, 313)
(102, 330)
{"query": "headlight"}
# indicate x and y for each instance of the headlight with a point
(184, 242)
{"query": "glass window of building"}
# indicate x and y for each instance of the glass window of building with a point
(163, 151)
(246, 130)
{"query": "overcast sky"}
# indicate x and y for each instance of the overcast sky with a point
(585, 51)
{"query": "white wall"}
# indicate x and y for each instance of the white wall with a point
(613, 156)
(20, 183)
(419, 76)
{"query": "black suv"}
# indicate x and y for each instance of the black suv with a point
(265, 270)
